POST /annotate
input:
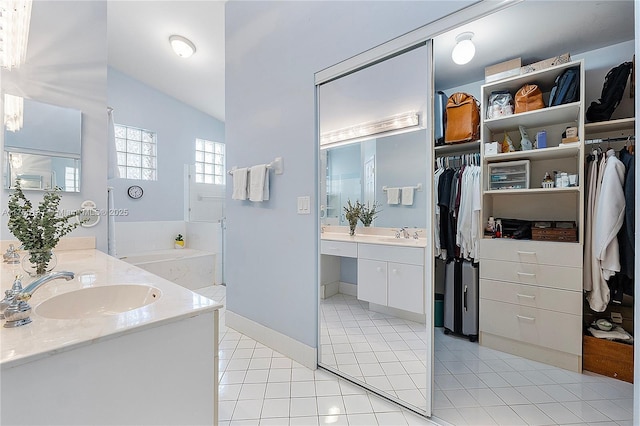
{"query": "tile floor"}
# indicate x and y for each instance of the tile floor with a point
(473, 386)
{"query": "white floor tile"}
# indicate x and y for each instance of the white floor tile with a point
(277, 407)
(278, 390)
(256, 376)
(534, 394)
(391, 419)
(532, 414)
(252, 391)
(301, 407)
(304, 421)
(247, 409)
(559, 413)
(611, 410)
(303, 389)
(330, 405)
(504, 415)
(357, 404)
(327, 388)
(361, 419)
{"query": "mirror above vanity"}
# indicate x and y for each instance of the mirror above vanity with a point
(42, 145)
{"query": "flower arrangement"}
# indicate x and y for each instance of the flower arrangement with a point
(179, 241)
(352, 214)
(39, 230)
(368, 213)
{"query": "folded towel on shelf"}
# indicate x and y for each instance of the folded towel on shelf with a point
(393, 195)
(258, 183)
(407, 195)
(618, 333)
(239, 184)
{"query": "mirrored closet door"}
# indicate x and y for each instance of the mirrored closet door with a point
(375, 310)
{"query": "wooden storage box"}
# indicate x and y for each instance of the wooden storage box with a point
(608, 358)
(502, 70)
(555, 234)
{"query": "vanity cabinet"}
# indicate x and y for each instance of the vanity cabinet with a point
(391, 276)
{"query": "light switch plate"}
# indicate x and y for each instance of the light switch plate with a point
(304, 205)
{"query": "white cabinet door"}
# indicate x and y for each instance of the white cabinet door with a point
(372, 281)
(406, 287)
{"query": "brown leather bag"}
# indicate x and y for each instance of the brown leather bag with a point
(463, 118)
(528, 98)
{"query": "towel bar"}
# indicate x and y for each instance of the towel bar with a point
(277, 165)
(417, 187)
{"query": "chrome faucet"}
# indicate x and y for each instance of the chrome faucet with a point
(405, 232)
(15, 309)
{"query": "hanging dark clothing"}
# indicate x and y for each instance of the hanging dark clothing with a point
(447, 232)
(626, 235)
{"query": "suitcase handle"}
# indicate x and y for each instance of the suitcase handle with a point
(465, 297)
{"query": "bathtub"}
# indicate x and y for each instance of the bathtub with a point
(189, 268)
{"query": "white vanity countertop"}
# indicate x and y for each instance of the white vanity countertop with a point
(92, 268)
(383, 236)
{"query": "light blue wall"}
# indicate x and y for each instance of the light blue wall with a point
(177, 126)
(273, 50)
(69, 69)
(401, 161)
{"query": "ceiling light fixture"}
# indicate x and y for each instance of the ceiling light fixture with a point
(13, 112)
(394, 123)
(464, 49)
(182, 46)
(15, 17)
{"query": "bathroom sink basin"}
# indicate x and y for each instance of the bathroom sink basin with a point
(92, 302)
(402, 241)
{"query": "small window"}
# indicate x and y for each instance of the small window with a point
(210, 162)
(137, 153)
(71, 179)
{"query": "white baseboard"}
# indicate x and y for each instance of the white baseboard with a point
(411, 316)
(328, 290)
(297, 351)
(348, 288)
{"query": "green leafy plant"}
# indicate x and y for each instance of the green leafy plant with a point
(352, 214)
(368, 213)
(39, 230)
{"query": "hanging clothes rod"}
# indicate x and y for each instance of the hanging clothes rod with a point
(417, 187)
(277, 165)
(605, 140)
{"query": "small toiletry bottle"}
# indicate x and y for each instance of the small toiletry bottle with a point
(498, 232)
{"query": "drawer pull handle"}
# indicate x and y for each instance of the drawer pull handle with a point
(379, 269)
(526, 274)
(395, 271)
(528, 253)
(525, 318)
(526, 296)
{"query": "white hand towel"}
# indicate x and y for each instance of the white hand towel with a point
(407, 195)
(257, 180)
(393, 195)
(239, 184)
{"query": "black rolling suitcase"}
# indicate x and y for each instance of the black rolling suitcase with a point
(461, 299)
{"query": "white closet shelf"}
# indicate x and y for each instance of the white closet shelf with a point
(568, 151)
(575, 189)
(457, 148)
(611, 125)
(541, 117)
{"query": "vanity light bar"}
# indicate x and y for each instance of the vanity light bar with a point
(15, 17)
(395, 122)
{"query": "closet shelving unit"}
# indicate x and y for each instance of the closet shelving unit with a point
(531, 291)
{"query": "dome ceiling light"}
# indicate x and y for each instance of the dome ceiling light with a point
(464, 49)
(182, 46)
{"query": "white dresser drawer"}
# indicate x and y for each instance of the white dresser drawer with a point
(526, 251)
(409, 255)
(564, 301)
(339, 248)
(568, 278)
(554, 330)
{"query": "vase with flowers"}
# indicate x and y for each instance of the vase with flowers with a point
(352, 213)
(368, 213)
(39, 230)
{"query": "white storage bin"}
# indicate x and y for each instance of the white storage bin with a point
(509, 175)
